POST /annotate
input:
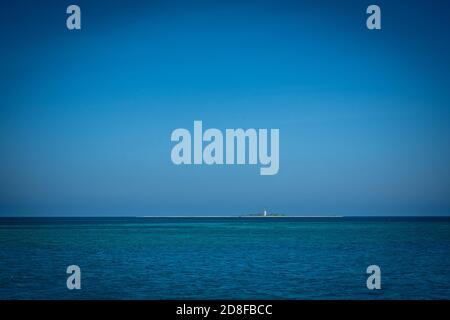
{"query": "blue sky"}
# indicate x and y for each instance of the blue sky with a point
(86, 116)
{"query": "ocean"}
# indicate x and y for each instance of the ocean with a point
(225, 258)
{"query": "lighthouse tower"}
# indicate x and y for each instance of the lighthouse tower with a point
(265, 213)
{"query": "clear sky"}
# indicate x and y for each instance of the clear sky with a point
(86, 116)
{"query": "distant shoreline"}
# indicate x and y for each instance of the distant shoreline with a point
(239, 216)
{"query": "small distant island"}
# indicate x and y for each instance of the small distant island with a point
(263, 214)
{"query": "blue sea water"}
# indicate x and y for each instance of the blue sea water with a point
(224, 258)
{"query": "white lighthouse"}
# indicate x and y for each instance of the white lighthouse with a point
(265, 213)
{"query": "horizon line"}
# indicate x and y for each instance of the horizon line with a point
(226, 216)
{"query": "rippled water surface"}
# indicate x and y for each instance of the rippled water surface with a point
(224, 258)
